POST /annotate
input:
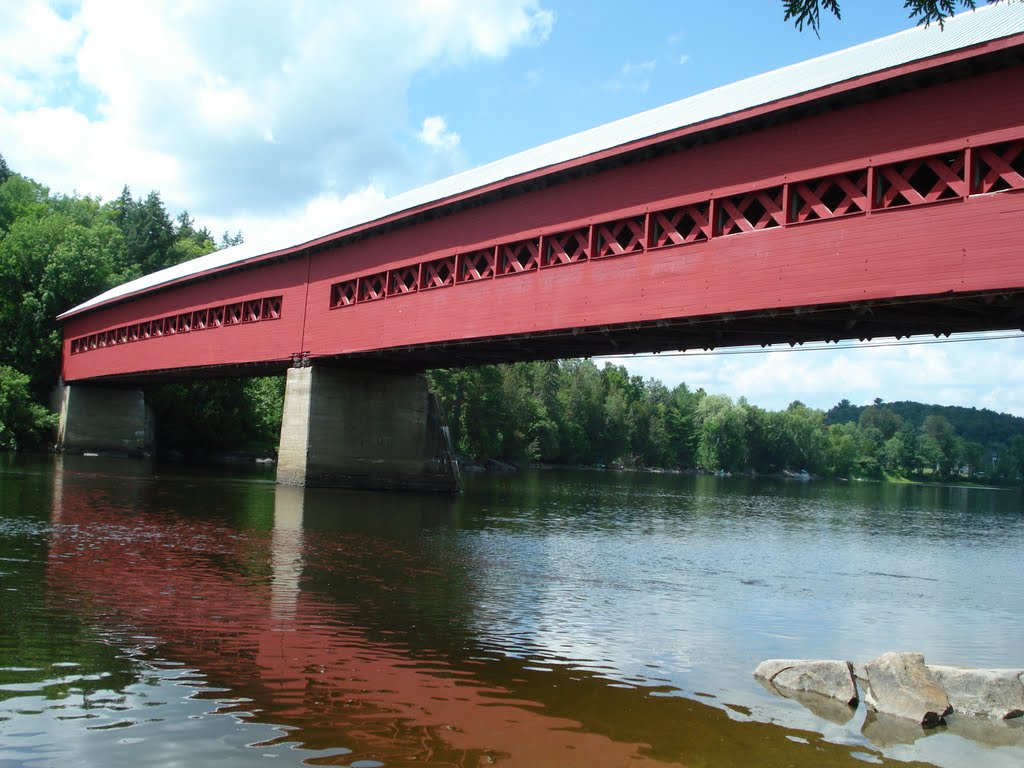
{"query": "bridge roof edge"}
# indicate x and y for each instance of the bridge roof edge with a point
(965, 35)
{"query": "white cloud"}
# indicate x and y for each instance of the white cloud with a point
(988, 374)
(233, 109)
(684, 58)
(633, 76)
(36, 44)
(324, 214)
(435, 134)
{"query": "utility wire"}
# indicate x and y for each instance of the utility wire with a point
(817, 348)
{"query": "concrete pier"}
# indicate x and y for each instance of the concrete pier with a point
(104, 420)
(363, 429)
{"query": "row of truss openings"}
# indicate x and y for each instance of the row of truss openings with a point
(248, 311)
(915, 181)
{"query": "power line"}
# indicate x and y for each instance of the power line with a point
(816, 348)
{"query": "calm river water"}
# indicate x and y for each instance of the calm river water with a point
(163, 616)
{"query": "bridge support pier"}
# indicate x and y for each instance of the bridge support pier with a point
(363, 429)
(103, 420)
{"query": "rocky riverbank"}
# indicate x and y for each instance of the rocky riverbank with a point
(897, 685)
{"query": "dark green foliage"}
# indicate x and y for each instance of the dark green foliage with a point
(227, 240)
(57, 251)
(149, 235)
(51, 258)
(979, 425)
(568, 412)
(573, 412)
(5, 171)
(24, 423)
(206, 418)
(808, 12)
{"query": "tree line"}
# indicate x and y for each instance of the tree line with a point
(58, 250)
(574, 412)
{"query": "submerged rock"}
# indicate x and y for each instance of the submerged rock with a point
(817, 704)
(900, 684)
(827, 678)
(888, 730)
(992, 692)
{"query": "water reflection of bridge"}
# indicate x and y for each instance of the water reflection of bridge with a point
(360, 636)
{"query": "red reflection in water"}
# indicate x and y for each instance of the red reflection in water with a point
(230, 603)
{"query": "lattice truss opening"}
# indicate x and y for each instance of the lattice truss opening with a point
(208, 318)
(914, 181)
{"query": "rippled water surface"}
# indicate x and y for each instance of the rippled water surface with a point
(162, 616)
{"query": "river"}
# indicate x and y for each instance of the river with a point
(161, 615)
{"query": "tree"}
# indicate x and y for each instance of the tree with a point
(5, 171)
(843, 449)
(808, 12)
(23, 422)
(947, 445)
(47, 264)
(903, 452)
(20, 198)
(880, 417)
(722, 430)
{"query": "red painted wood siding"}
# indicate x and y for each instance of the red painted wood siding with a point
(958, 245)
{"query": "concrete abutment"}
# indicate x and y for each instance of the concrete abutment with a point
(364, 429)
(103, 420)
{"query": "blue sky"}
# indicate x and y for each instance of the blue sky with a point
(276, 117)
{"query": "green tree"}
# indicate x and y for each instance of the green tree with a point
(47, 264)
(903, 451)
(843, 449)
(946, 455)
(680, 421)
(21, 198)
(973, 457)
(207, 417)
(879, 417)
(581, 398)
(722, 430)
(189, 242)
(23, 422)
(148, 232)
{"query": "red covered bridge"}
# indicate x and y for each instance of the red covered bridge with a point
(875, 191)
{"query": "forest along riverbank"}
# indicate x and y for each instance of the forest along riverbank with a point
(569, 618)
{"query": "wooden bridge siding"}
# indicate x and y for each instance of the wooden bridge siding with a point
(866, 258)
(915, 251)
(236, 344)
(915, 123)
(627, 288)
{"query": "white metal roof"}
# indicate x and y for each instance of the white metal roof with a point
(967, 29)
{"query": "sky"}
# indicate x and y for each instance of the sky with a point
(270, 117)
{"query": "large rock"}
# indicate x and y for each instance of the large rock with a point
(828, 678)
(900, 684)
(992, 692)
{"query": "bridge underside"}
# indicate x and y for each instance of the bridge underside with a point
(939, 315)
(934, 315)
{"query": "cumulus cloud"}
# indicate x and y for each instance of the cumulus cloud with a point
(233, 109)
(326, 213)
(37, 48)
(985, 373)
(435, 134)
